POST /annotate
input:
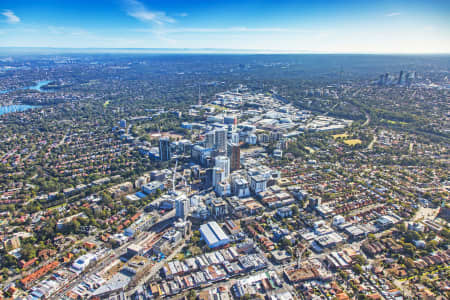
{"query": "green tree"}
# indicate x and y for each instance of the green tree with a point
(360, 260)
(357, 269)
(192, 295)
(28, 251)
(295, 210)
(9, 261)
(285, 243)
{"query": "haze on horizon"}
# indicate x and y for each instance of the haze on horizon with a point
(348, 26)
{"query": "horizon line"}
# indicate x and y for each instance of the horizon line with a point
(206, 50)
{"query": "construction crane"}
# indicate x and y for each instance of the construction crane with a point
(188, 188)
(173, 177)
(299, 256)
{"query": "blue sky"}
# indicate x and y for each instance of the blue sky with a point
(345, 26)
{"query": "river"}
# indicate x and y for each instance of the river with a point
(14, 108)
(5, 109)
(36, 87)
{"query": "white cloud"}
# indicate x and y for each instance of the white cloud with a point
(393, 14)
(10, 16)
(137, 10)
(183, 14)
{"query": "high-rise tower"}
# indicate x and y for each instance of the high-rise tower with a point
(164, 149)
(220, 140)
(210, 139)
(223, 163)
(234, 153)
(182, 207)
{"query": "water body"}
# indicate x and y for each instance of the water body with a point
(14, 108)
(36, 87)
(40, 84)
(22, 107)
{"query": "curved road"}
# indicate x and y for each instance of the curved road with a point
(367, 121)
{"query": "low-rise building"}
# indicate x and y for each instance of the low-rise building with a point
(213, 235)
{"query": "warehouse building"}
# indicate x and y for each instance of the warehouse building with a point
(213, 235)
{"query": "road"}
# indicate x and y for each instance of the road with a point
(40, 265)
(92, 270)
(367, 121)
(162, 223)
(373, 141)
(404, 286)
(368, 280)
(231, 281)
(425, 213)
(331, 109)
(157, 267)
(117, 253)
(62, 140)
(364, 209)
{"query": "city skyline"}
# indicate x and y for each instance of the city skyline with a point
(284, 26)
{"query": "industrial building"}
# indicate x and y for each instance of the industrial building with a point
(213, 235)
